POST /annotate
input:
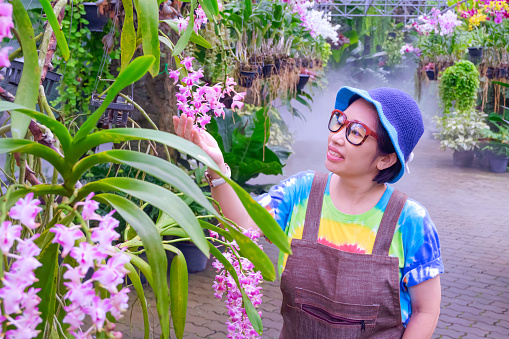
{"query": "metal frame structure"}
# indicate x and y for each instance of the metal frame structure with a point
(404, 9)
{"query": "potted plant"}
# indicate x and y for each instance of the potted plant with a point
(430, 70)
(96, 19)
(458, 87)
(497, 148)
(268, 66)
(477, 40)
(14, 71)
(461, 131)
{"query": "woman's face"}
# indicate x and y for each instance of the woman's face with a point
(350, 161)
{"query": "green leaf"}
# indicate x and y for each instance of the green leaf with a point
(251, 312)
(503, 84)
(56, 127)
(8, 145)
(156, 255)
(248, 9)
(210, 7)
(47, 275)
(196, 38)
(61, 41)
(28, 88)
(178, 293)
(135, 280)
(259, 214)
(128, 37)
(184, 39)
(133, 72)
(157, 167)
(157, 196)
(254, 253)
(148, 21)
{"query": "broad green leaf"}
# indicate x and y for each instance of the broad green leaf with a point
(251, 312)
(184, 39)
(8, 145)
(503, 84)
(157, 167)
(178, 293)
(28, 88)
(261, 217)
(142, 266)
(210, 8)
(61, 41)
(248, 9)
(158, 197)
(135, 280)
(56, 127)
(175, 231)
(133, 72)
(128, 37)
(148, 21)
(47, 275)
(196, 38)
(38, 190)
(156, 255)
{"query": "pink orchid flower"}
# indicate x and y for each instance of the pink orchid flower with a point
(25, 210)
(66, 236)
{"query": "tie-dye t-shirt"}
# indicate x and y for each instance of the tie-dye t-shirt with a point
(415, 240)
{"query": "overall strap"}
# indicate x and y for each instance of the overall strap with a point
(389, 222)
(314, 209)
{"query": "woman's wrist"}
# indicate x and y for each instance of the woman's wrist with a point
(213, 174)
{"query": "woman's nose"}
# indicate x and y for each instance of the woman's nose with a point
(339, 136)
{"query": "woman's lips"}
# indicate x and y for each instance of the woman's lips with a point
(333, 155)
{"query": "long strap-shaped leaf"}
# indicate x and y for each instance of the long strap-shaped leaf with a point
(62, 43)
(135, 280)
(179, 286)
(133, 72)
(128, 37)
(56, 127)
(38, 190)
(184, 39)
(148, 23)
(28, 88)
(8, 145)
(157, 196)
(260, 216)
(47, 275)
(196, 38)
(156, 255)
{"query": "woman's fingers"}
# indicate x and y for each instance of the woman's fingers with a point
(189, 129)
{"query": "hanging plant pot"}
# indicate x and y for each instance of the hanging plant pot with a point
(277, 66)
(267, 70)
(431, 74)
(303, 80)
(116, 114)
(498, 165)
(96, 21)
(392, 35)
(502, 73)
(246, 78)
(13, 76)
(490, 72)
(475, 52)
(463, 158)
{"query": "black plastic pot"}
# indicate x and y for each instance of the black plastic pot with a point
(305, 63)
(246, 78)
(267, 70)
(490, 72)
(431, 74)
(277, 65)
(502, 73)
(303, 80)
(13, 76)
(498, 165)
(475, 52)
(463, 158)
(196, 261)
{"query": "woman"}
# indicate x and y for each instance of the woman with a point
(366, 260)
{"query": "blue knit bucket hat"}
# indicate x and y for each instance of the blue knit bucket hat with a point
(398, 113)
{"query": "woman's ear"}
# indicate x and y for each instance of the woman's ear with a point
(386, 161)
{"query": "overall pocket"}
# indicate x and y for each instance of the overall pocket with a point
(322, 317)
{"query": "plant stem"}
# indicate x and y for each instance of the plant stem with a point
(22, 168)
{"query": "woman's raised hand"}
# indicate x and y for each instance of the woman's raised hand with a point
(184, 127)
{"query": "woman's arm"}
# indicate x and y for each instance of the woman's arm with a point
(231, 205)
(425, 298)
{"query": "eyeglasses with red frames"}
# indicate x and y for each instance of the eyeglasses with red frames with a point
(356, 132)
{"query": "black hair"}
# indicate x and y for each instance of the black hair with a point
(385, 146)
